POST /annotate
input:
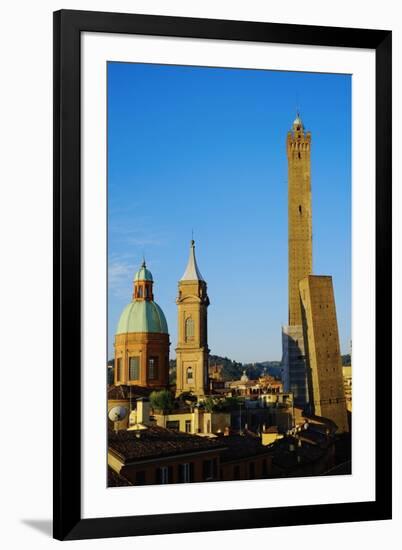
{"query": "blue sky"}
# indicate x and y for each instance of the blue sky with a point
(203, 149)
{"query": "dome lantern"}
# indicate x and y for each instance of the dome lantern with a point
(143, 283)
(244, 377)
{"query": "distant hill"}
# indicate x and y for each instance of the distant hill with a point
(232, 370)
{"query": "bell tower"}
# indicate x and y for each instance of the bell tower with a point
(192, 345)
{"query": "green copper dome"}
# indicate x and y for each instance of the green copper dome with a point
(143, 274)
(142, 316)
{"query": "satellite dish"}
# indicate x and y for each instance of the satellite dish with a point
(117, 413)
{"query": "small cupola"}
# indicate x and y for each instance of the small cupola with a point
(244, 377)
(143, 284)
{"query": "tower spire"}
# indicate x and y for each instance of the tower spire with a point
(192, 273)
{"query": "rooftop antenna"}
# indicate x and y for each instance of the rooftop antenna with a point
(297, 104)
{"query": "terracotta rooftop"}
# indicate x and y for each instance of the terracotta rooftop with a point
(340, 470)
(123, 392)
(285, 459)
(261, 383)
(242, 446)
(157, 442)
(116, 480)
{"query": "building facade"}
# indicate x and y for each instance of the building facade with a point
(300, 257)
(141, 345)
(192, 346)
(294, 364)
(347, 385)
(322, 350)
(161, 455)
(198, 421)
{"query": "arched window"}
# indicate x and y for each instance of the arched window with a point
(189, 329)
(140, 292)
(189, 375)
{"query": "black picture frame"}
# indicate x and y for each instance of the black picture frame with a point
(68, 26)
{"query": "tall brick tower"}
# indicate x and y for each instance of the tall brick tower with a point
(192, 346)
(300, 257)
(299, 215)
(321, 340)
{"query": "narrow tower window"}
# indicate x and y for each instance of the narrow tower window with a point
(189, 375)
(300, 209)
(189, 329)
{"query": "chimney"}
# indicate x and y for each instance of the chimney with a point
(143, 408)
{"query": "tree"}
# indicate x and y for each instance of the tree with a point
(210, 404)
(230, 403)
(110, 375)
(161, 401)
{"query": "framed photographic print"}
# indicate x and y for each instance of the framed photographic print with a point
(222, 242)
